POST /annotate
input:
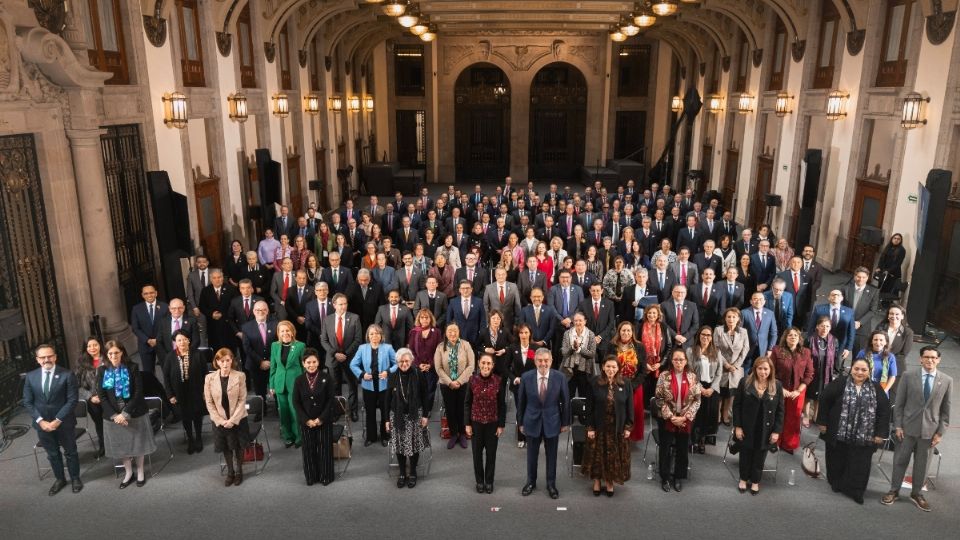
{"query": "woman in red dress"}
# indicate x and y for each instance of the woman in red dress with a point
(793, 366)
(545, 263)
(631, 357)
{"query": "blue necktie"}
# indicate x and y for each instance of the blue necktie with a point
(566, 302)
(926, 387)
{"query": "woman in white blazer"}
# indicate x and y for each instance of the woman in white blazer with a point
(732, 344)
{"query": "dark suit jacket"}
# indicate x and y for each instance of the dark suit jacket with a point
(288, 229)
(844, 330)
(406, 244)
(254, 349)
(397, 224)
(623, 413)
(352, 337)
(164, 337)
(693, 243)
(134, 407)
(409, 290)
(740, 248)
(726, 301)
(549, 320)
(237, 315)
(344, 279)
(688, 325)
(584, 284)
(831, 404)
(764, 273)
(143, 328)
(864, 312)
(395, 335)
(297, 307)
(439, 306)
(715, 262)
(481, 278)
(317, 403)
(765, 338)
(314, 323)
(606, 324)
(555, 300)
(543, 419)
(469, 326)
(189, 393)
(801, 299)
(663, 293)
(260, 277)
(365, 307)
(59, 404)
(709, 312)
(218, 332)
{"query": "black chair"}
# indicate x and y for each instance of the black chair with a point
(80, 411)
(577, 434)
(256, 408)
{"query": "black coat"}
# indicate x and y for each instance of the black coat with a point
(189, 393)
(319, 403)
(597, 417)
(831, 403)
(135, 406)
(519, 365)
(747, 404)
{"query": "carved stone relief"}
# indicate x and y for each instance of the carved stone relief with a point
(519, 57)
(939, 23)
(224, 42)
(155, 26)
(6, 58)
(797, 49)
(757, 57)
(269, 51)
(855, 41)
(302, 57)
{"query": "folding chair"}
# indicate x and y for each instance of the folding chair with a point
(736, 476)
(423, 466)
(341, 429)
(930, 481)
(80, 411)
(256, 409)
(155, 415)
(655, 436)
(577, 434)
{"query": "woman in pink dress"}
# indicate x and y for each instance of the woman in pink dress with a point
(545, 263)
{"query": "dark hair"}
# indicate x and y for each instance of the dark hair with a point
(927, 348)
(223, 352)
(868, 347)
(711, 350)
(617, 379)
(308, 352)
(85, 363)
(181, 332)
(125, 359)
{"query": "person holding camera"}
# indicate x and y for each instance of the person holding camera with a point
(757, 420)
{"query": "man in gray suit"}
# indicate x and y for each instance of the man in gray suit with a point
(431, 299)
(409, 279)
(502, 296)
(282, 284)
(197, 279)
(340, 338)
(920, 417)
(863, 299)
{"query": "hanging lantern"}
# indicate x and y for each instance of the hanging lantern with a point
(745, 104)
(335, 103)
(430, 34)
(175, 110)
(714, 103)
(237, 106)
(394, 8)
(664, 8)
(311, 104)
(617, 35)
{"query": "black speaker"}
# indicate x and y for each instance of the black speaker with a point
(871, 236)
(808, 202)
(774, 200)
(171, 225)
(314, 185)
(924, 281)
(11, 324)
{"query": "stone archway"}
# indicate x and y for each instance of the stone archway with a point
(482, 123)
(558, 115)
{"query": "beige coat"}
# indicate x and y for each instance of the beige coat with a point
(236, 394)
(465, 363)
(732, 351)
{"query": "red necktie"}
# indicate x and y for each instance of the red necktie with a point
(408, 276)
(340, 332)
(596, 310)
(796, 282)
(706, 295)
(683, 274)
(393, 316)
(501, 294)
(756, 319)
(286, 285)
(679, 317)
(246, 307)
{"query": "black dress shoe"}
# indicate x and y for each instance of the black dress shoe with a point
(367, 443)
(141, 483)
(124, 485)
(101, 452)
(608, 493)
(190, 448)
(297, 445)
(287, 444)
(325, 482)
(309, 482)
(552, 491)
(596, 493)
(489, 488)
(412, 481)
(56, 487)
(77, 485)
(754, 492)
(741, 489)
(527, 489)
(481, 488)
(665, 486)
(677, 486)
(198, 447)
(401, 481)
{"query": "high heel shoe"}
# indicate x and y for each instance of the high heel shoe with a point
(126, 483)
(742, 489)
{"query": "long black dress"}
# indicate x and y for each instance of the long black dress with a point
(314, 396)
(187, 387)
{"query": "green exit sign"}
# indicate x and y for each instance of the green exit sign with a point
(912, 198)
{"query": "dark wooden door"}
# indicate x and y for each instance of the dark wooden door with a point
(758, 204)
(209, 221)
(411, 139)
(27, 281)
(869, 205)
(628, 138)
(558, 113)
(129, 211)
(945, 313)
(729, 188)
(294, 178)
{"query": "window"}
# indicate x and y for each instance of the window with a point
(634, 72)
(191, 54)
(284, 53)
(893, 56)
(316, 65)
(826, 56)
(408, 70)
(248, 74)
(105, 35)
(714, 86)
(743, 69)
(779, 56)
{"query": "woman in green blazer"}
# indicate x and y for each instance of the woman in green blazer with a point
(285, 366)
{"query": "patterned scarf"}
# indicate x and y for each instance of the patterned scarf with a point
(858, 414)
(454, 358)
(117, 378)
(652, 341)
(884, 365)
(184, 368)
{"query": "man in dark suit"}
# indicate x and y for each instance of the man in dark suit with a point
(365, 297)
(763, 265)
(340, 338)
(707, 296)
(472, 272)
(541, 318)
(432, 299)
(582, 278)
(215, 301)
(543, 412)
(690, 236)
(530, 279)
(396, 320)
(50, 397)
(647, 237)
(467, 312)
(709, 226)
(601, 318)
(175, 320)
(502, 296)
(409, 280)
(761, 328)
(564, 297)
(841, 319)
(747, 244)
(336, 276)
(145, 320)
(390, 222)
(241, 308)
(630, 308)
(733, 291)
(297, 300)
(257, 335)
(781, 303)
(406, 236)
(708, 258)
(681, 315)
(280, 286)
(813, 270)
(799, 285)
(349, 212)
(284, 224)
(728, 226)
(315, 312)
(661, 279)
(863, 299)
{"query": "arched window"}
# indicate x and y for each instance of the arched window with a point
(248, 73)
(826, 53)
(779, 56)
(105, 37)
(283, 51)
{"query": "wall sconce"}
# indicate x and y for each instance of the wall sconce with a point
(394, 8)
(353, 104)
(311, 104)
(430, 34)
(368, 103)
(617, 35)
(664, 8)
(913, 111)
(837, 105)
(676, 104)
(714, 103)
(175, 110)
(237, 105)
(335, 103)
(745, 104)
(281, 105)
(782, 106)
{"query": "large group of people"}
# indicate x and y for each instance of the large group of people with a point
(629, 300)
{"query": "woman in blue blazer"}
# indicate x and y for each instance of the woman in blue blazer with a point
(374, 361)
(286, 355)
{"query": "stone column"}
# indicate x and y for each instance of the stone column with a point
(98, 243)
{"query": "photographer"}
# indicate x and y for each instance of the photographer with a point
(757, 420)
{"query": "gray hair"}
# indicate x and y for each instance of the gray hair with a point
(403, 351)
(543, 351)
(215, 271)
(363, 272)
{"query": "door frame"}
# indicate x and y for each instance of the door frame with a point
(213, 243)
